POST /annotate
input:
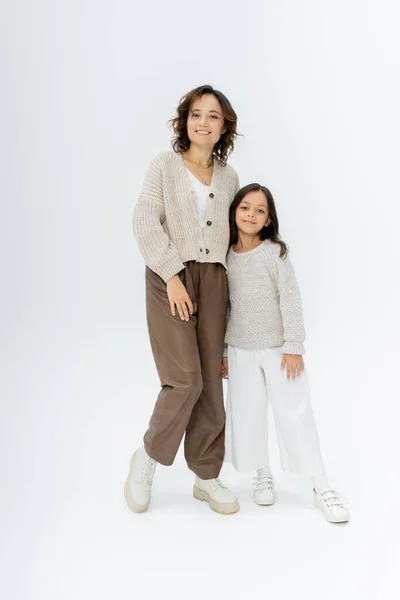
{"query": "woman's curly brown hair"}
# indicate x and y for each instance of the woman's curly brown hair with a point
(223, 148)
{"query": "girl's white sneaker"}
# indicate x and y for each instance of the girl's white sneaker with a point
(332, 506)
(138, 483)
(263, 485)
(213, 491)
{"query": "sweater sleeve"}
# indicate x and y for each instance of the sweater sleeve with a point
(228, 310)
(158, 251)
(237, 183)
(290, 305)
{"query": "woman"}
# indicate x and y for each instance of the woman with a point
(182, 228)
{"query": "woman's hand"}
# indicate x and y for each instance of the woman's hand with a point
(225, 367)
(179, 298)
(294, 364)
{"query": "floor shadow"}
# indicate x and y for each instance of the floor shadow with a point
(290, 499)
(165, 499)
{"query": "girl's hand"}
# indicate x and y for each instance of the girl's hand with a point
(294, 364)
(225, 367)
(179, 298)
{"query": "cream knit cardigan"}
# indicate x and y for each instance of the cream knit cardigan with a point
(166, 218)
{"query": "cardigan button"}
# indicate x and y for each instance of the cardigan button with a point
(201, 249)
(211, 195)
(207, 251)
(209, 223)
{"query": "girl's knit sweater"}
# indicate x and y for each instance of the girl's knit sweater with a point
(265, 304)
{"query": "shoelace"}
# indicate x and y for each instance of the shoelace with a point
(263, 482)
(331, 498)
(148, 470)
(218, 483)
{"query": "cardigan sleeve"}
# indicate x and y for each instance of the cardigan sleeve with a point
(158, 251)
(290, 304)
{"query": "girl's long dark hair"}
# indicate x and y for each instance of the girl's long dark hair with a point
(271, 231)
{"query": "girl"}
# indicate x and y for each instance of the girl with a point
(182, 228)
(264, 347)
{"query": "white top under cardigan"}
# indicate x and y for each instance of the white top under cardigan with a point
(265, 304)
(202, 192)
(166, 219)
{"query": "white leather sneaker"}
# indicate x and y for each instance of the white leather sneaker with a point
(263, 484)
(139, 480)
(213, 491)
(332, 506)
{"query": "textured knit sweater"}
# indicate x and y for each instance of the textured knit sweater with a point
(265, 304)
(166, 218)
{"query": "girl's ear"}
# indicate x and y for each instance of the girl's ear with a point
(268, 221)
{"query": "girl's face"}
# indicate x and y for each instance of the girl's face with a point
(205, 123)
(252, 213)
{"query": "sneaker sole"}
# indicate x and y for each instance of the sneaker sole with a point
(218, 507)
(134, 506)
(332, 519)
(336, 519)
(264, 503)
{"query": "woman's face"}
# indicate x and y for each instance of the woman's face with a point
(252, 213)
(205, 123)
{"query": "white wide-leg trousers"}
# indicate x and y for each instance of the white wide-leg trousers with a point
(255, 379)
